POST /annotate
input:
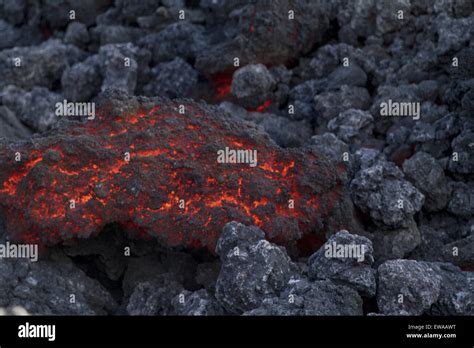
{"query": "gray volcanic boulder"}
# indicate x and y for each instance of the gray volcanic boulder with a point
(41, 65)
(252, 80)
(34, 108)
(428, 176)
(353, 269)
(407, 287)
(268, 35)
(252, 268)
(381, 191)
(457, 290)
(45, 288)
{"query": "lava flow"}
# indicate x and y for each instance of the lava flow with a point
(143, 164)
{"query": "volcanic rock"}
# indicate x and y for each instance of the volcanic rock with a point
(77, 34)
(181, 39)
(155, 171)
(352, 124)
(407, 287)
(45, 287)
(154, 297)
(354, 270)
(175, 79)
(82, 81)
(268, 34)
(41, 65)
(321, 297)
(34, 108)
(330, 104)
(428, 176)
(461, 202)
(396, 243)
(457, 291)
(10, 127)
(196, 303)
(252, 80)
(463, 145)
(252, 268)
(381, 191)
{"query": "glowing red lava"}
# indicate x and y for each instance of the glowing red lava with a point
(155, 171)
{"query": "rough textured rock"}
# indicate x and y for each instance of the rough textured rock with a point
(408, 93)
(321, 297)
(353, 269)
(116, 34)
(34, 108)
(45, 287)
(131, 10)
(154, 297)
(235, 234)
(41, 65)
(77, 34)
(407, 287)
(329, 105)
(176, 79)
(446, 238)
(12, 35)
(285, 132)
(181, 39)
(462, 199)
(351, 75)
(463, 146)
(387, 15)
(112, 189)
(381, 191)
(13, 10)
(453, 33)
(252, 80)
(396, 243)
(352, 123)
(457, 291)
(10, 127)
(196, 303)
(56, 13)
(117, 74)
(82, 81)
(252, 268)
(365, 158)
(428, 176)
(286, 40)
(329, 145)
